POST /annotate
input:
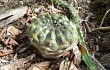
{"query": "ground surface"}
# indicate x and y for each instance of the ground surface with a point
(23, 55)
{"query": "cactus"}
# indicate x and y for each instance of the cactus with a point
(53, 34)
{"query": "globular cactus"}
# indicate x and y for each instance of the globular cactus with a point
(53, 34)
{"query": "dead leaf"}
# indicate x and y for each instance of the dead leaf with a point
(9, 42)
(35, 68)
(73, 67)
(6, 41)
(43, 65)
(83, 51)
(67, 65)
(10, 47)
(12, 41)
(38, 9)
(3, 31)
(77, 57)
(29, 11)
(64, 65)
(17, 63)
(5, 52)
(40, 66)
(11, 30)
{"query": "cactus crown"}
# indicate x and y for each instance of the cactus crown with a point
(52, 32)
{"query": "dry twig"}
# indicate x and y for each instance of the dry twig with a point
(104, 17)
(101, 28)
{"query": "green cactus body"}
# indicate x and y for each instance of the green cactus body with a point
(53, 34)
